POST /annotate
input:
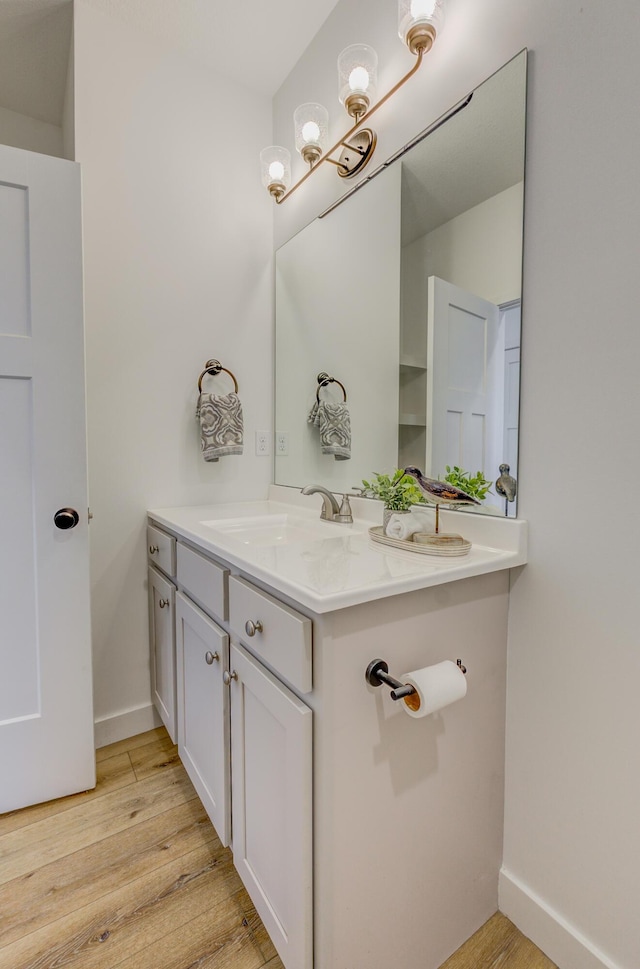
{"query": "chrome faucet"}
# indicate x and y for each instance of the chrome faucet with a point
(331, 510)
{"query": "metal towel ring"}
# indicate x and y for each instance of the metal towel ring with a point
(213, 367)
(324, 380)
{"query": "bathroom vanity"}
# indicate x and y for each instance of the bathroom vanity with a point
(364, 837)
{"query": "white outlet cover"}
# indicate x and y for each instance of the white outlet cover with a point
(263, 448)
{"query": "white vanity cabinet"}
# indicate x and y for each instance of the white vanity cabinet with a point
(363, 836)
(202, 662)
(161, 550)
(271, 764)
(243, 734)
(202, 657)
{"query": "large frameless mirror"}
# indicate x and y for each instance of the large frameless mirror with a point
(398, 311)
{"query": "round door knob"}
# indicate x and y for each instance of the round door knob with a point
(66, 518)
(153, 549)
(228, 676)
(164, 602)
(251, 628)
(210, 657)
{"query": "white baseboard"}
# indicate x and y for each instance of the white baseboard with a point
(562, 942)
(127, 723)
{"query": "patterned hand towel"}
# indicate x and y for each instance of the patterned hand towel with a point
(221, 425)
(335, 428)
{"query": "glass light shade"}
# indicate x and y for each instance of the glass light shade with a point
(275, 164)
(357, 78)
(311, 122)
(419, 21)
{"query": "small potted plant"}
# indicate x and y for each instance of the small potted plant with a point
(398, 492)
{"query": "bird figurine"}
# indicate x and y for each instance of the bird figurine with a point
(506, 486)
(440, 492)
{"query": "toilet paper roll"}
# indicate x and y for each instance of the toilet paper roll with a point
(436, 687)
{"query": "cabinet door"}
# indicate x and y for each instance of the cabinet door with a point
(271, 764)
(202, 650)
(162, 641)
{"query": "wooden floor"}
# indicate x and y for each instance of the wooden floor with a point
(132, 875)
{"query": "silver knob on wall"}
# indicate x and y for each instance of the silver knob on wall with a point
(153, 549)
(164, 602)
(211, 657)
(228, 676)
(251, 628)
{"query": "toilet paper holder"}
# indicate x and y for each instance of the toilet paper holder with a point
(377, 673)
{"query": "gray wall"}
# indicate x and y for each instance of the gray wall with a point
(571, 875)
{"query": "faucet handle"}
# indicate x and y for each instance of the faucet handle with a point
(344, 515)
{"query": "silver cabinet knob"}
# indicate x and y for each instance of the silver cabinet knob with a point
(251, 628)
(211, 657)
(164, 602)
(153, 549)
(228, 676)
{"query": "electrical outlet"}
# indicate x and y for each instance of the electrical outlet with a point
(282, 443)
(262, 443)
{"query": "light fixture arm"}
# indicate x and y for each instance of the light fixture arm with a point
(353, 148)
(331, 161)
(365, 117)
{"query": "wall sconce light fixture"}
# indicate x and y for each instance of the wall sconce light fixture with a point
(419, 22)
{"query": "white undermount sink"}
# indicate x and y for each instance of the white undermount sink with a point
(280, 529)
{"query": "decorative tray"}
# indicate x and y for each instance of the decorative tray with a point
(447, 551)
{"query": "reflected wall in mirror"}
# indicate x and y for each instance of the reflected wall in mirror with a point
(408, 293)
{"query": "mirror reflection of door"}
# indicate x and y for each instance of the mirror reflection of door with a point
(465, 381)
(511, 321)
(470, 404)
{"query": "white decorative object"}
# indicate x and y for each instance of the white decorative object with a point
(402, 525)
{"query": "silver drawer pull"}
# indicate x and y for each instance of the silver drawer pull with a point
(211, 657)
(228, 676)
(251, 628)
(164, 602)
(153, 549)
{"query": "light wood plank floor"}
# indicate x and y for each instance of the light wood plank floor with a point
(132, 875)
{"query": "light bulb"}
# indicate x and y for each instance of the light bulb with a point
(419, 22)
(275, 164)
(276, 171)
(359, 79)
(311, 124)
(422, 8)
(357, 76)
(311, 132)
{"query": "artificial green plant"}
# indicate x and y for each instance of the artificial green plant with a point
(398, 491)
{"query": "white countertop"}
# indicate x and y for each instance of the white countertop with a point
(347, 568)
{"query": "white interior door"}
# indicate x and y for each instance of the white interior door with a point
(465, 385)
(46, 711)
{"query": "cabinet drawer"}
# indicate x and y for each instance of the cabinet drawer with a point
(278, 635)
(203, 580)
(161, 550)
